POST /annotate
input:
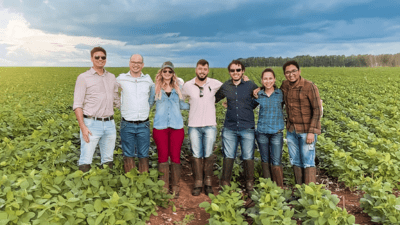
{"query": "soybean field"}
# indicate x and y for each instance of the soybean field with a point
(40, 182)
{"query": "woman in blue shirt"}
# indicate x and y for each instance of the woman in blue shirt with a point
(168, 133)
(270, 127)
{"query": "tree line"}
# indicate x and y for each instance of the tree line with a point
(327, 61)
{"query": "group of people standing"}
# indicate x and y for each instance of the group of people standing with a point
(97, 92)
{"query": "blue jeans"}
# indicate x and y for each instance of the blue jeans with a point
(202, 140)
(103, 133)
(231, 140)
(135, 139)
(270, 146)
(301, 154)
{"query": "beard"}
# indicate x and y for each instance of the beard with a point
(201, 78)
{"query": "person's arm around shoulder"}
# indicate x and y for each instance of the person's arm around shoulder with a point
(182, 104)
(220, 93)
(79, 97)
(315, 102)
(152, 95)
(254, 87)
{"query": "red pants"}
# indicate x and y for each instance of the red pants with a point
(169, 142)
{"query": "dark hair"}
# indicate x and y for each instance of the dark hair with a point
(202, 62)
(262, 75)
(236, 62)
(288, 63)
(97, 49)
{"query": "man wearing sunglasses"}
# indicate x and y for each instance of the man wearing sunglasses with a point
(135, 109)
(202, 125)
(239, 123)
(304, 110)
(96, 92)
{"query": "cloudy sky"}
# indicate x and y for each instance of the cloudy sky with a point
(61, 32)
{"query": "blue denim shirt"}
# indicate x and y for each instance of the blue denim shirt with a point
(239, 115)
(270, 118)
(168, 110)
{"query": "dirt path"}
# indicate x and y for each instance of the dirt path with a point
(187, 206)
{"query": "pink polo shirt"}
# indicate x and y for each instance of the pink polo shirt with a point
(202, 109)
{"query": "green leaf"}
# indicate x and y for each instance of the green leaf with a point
(313, 213)
(97, 205)
(204, 204)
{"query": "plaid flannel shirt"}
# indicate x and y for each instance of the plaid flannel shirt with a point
(303, 106)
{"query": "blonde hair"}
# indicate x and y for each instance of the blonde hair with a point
(160, 84)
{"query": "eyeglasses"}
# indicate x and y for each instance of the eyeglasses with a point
(98, 57)
(237, 70)
(136, 63)
(168, 71)
(290, 72)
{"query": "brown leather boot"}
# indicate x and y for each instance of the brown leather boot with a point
(84, 168)
(197, 168)
(277, 175)
(164, 168)
(129, 163)
(310, 173)
(266, 170)
(143, 165)
(208, 173)
(176, 176)
(298, 174)
(249, 171)
(226, 172)
(109, 164)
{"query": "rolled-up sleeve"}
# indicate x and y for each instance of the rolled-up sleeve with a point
(79, 93)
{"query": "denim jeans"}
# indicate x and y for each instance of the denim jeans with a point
(231, 140)
(270, 146)
(103, 133)
(135, 139)
(202, 140)
(301, 154)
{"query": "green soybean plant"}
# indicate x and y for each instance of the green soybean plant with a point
(316, 206)
(227, 207)
(271, 206)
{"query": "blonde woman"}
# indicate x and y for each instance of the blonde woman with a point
(168, 133)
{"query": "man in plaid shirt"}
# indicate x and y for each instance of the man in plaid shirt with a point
(303, 108)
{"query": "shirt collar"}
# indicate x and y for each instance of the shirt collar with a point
(129, 74)
(262, 92)
(94, 72)
(299, 84)
(241, 82)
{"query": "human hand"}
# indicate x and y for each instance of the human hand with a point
(255, 92)
(310, 138)
(85, 133)
(245, 78)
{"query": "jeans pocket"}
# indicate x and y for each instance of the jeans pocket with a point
(147, 124)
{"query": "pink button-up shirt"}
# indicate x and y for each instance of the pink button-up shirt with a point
(96, 94)
(202, 109)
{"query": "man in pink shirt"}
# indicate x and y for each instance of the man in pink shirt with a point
(96, 92)
(202, 125)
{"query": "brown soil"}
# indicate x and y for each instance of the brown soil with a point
(187, 204)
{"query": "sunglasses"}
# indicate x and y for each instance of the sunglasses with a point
(98, 57)
(233, 70)
(168, 71)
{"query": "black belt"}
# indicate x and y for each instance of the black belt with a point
(98, 118)
(136, 122)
